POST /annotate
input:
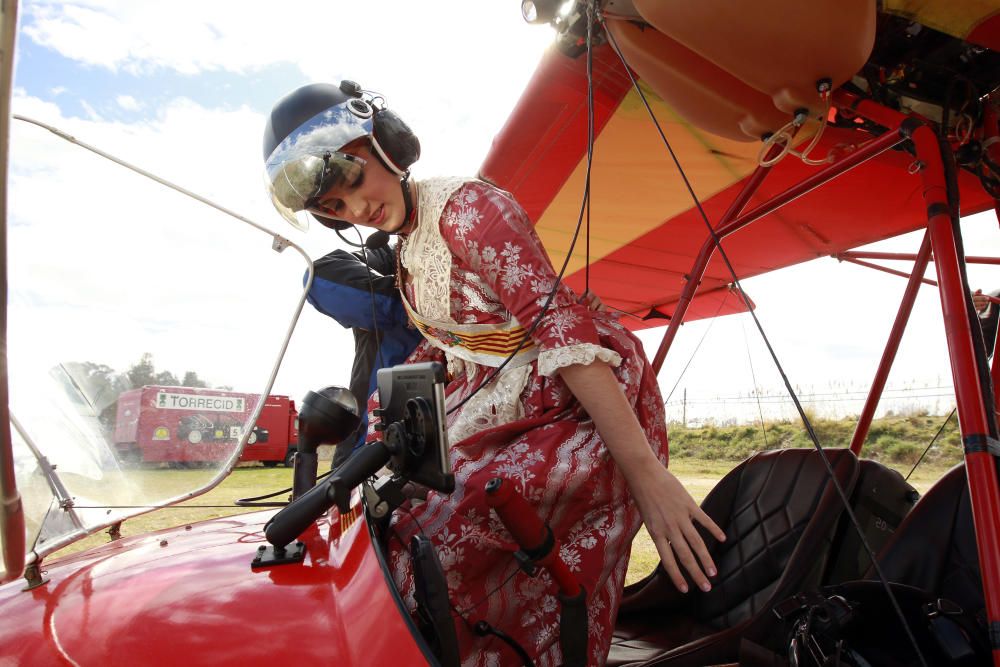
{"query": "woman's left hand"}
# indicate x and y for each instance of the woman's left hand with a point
(666, 507)
(670, 513)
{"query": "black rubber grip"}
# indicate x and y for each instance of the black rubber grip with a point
(364, 462)
(289, 523)
(573, 633)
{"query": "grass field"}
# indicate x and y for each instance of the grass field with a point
(701, 476)
(698, 475)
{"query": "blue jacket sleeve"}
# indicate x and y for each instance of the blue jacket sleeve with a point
(345, 289)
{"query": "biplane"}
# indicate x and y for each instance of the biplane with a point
(727, 141)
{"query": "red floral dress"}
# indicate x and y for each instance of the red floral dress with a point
(474, 259)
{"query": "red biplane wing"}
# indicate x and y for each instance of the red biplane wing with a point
(645, 229)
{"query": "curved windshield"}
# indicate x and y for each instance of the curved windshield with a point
(143, 329)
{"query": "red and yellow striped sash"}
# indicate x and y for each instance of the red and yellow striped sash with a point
(487, 344)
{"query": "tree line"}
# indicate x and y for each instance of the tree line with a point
(99, 385)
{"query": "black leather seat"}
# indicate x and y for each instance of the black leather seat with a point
(778, 510)
(934, 548)
(932, 564)
(881, 500)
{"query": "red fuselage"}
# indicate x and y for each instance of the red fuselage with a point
(188, 596)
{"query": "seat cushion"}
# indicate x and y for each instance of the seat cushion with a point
(935, 547)
(778, 510)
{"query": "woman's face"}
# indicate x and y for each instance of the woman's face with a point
(375, 200)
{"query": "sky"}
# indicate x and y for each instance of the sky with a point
(182, 89)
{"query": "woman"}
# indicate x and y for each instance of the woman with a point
(574, 420)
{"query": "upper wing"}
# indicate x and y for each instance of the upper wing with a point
(645, 229)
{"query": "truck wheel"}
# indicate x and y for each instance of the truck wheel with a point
(270, 464)
(290, 458)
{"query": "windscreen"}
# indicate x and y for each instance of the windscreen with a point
(143, 328)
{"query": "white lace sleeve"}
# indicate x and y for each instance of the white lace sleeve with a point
(550, 361)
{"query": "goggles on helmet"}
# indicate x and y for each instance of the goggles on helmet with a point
(309, 162)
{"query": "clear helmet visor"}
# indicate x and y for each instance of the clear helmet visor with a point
(309, 162)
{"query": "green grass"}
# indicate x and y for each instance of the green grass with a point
(896, 439)
(244, 482)
(699, 458)
(701, 476)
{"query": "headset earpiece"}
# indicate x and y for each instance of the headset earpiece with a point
(395, 140)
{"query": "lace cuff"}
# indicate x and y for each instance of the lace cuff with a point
(550, 361)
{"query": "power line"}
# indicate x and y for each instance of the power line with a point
(778, 398)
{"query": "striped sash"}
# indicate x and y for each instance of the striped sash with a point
(484, 344)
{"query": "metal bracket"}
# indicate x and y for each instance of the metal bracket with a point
(268, 555)
(279, 243)
(35, 576)
(385, 495)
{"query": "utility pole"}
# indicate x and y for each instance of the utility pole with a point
(684, 412)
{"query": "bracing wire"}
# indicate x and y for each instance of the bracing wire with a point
(711, 323)
(590, 133)
(788, 385)
(931, 443)
(753, 376)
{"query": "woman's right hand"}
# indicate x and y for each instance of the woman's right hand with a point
(592, 301)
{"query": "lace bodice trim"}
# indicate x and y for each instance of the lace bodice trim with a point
(425, 255)
(496, 404)
(550, 361)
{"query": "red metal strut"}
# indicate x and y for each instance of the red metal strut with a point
(980, 463)
(533, 536)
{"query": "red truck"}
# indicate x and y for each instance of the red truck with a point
(188, 425)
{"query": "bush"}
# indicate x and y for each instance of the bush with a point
(904, 452)
(898, 439)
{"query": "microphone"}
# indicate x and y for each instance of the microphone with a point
(378, 239)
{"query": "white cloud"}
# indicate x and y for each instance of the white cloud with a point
(166, 275)
(56, 91)
(453, 70)
(128, 103)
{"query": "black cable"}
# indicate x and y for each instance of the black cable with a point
(590, 134)
(251, 502)
(155, 507)
(975, 330)
(371, 291)
(482, 628)
(460, 613)
(788, 385)
(569, 254)
(931, 444)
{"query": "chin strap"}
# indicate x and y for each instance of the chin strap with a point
(409, 213)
